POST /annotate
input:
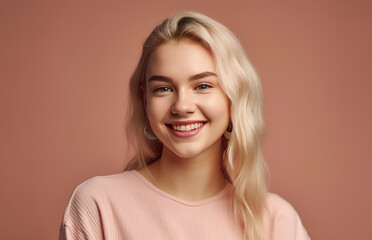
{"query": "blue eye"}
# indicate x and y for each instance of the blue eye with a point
(162, 89)
(203, 87)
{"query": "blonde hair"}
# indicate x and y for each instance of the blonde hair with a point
(242, 159)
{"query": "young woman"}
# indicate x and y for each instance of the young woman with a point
(197, 125)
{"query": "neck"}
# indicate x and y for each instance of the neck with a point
(192, 179)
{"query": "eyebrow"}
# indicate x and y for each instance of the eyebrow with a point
(192, 78)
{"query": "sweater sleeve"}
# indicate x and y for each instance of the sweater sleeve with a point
(82, 218)
(287, 224)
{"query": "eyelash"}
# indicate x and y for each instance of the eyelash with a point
(200, 87)
(162, 89)
(205, 86)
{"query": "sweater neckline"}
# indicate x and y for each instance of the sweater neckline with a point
(150, 185)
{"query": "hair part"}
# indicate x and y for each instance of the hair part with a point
(242, 161)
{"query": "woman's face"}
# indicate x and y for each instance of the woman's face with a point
(185, 105)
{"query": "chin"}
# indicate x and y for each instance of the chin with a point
(185, 152)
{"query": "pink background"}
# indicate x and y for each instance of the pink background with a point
(64, 70)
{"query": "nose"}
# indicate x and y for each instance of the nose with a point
(183, 104)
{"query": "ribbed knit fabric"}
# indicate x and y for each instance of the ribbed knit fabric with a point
(128, 206)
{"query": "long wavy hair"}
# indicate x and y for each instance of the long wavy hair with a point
(242, 160)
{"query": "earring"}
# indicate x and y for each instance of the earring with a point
(149, 135)
(228, 131)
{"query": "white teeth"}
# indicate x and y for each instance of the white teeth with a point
(188, 127)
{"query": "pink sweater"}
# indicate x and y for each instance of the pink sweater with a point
(128, 206)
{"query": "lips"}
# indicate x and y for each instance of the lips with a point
(186, 129)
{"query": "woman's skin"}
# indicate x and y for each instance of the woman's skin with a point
(182, 88)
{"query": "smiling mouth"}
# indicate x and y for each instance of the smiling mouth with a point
(185, 127)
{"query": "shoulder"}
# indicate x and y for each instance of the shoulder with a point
(101, 185)
(278, 206)
(282, 219)
(90, 200)
(96, 192)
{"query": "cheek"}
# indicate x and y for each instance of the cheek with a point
(155, 110)
(217, 108)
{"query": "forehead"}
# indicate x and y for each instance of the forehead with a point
(179, 59)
